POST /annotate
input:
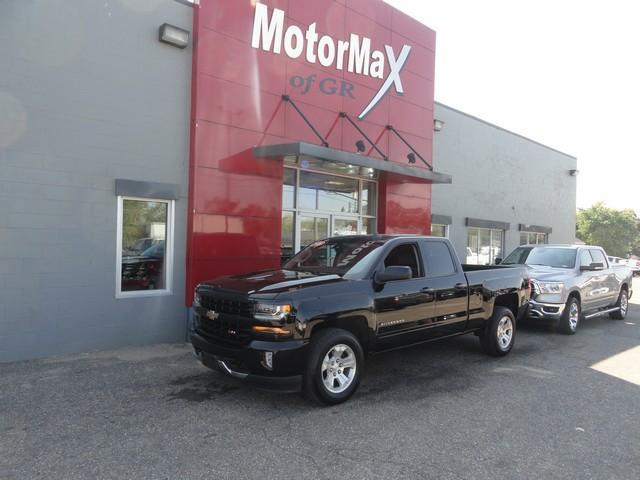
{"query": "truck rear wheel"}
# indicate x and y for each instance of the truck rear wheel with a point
(334, 366)
(499, 334)
(622, 304)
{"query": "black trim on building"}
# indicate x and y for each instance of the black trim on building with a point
(479, 223)
(136, 188)
(523, 227)
(441, 219)
(340, 156)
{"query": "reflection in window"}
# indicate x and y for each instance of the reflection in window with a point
(368, 198)
(328, 193)
(438, 230)
(287, 246)
(484, 245)
(144, 245)
(289, 188)
(533, 238)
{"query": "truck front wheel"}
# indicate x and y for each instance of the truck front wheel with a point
(498, 336)
(570, 318)
(334, 366)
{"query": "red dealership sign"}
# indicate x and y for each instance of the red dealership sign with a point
(361, 57)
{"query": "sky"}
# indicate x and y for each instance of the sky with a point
(565, 73)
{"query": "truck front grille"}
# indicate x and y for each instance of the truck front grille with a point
(224, 317)
(225, 329)
(226, 305)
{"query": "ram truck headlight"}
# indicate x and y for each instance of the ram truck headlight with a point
(270, 311)
(550, 287)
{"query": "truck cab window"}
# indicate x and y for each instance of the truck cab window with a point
(404, 256)
(585, 258)
(437, 259)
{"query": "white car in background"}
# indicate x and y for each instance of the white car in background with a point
(634, 265)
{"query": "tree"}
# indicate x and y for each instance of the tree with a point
(617, 231)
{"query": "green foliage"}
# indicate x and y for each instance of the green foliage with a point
(617, 231)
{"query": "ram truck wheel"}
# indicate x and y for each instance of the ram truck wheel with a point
(622, 304)
(568, 323)
(334, 366)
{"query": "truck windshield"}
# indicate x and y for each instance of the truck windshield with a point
(341, 255)
(548, 256)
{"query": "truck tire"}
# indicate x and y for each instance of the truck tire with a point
(334, 366)
(570, 318)
(499, 334)
(622, 304)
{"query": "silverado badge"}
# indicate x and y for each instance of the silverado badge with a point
(212, 315)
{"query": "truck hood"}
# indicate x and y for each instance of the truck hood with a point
(550, 274)
(271, 281)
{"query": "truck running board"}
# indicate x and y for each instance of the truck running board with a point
(602, 312)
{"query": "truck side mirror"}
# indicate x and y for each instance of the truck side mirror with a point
(597, 266)
(498, 260)
(393, 273)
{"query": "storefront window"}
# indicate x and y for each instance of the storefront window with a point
(289, 188)
(369, 198)
(287, 247)
(484, 245)
(318, 205)
(533, 238)
(328, 193)
(438, 230)
(144, 250)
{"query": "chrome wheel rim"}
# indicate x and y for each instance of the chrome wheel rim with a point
(338, 368)
(505, 332)
(574, 314)
(624, 303)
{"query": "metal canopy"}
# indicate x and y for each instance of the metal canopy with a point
(340, 156)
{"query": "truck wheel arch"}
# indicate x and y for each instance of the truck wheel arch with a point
(510, 301)
(357, 325)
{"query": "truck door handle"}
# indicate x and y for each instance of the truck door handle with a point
(428, 290)
(460, 286)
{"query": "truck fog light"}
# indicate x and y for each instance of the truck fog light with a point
(267, 360)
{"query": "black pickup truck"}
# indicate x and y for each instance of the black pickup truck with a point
(311, 324)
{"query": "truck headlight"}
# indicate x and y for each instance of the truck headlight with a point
(196, 299)
(270, 311)
(550, 287)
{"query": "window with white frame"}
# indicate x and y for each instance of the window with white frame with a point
(144, 246)
(533, 238)
(484, 245)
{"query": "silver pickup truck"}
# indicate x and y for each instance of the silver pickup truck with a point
(573, 282)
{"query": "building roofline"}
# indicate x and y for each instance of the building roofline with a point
(505, 130)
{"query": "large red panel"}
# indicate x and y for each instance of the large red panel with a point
(328, 15)
(219, 192)
(234, 198)
(234, 60)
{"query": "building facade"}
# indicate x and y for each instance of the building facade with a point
(507, 191)
(147, 146)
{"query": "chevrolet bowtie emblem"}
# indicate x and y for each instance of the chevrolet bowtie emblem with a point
(212, 315)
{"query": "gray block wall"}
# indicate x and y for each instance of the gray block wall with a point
(501, 176)
(87, 95)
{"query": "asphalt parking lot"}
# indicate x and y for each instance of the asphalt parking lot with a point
(441, 411)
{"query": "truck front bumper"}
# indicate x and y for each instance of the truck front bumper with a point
(551, 311)
(268, 365)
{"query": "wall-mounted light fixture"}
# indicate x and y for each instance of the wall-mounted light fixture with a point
(574, 172)
(437, 125)
(178, 37)
(411, 157)
(360, 146)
